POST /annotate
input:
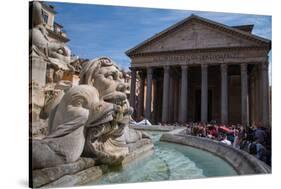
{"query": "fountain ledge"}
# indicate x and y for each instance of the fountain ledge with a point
(84, 170)
(242, 162)
(155, 127)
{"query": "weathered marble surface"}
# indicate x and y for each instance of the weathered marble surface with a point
(57, 53)
(39, 129)
(36, 94)
(44, 176)
(155, 128)
(53, 96)
(79, 178)
(48, 60)
(65, 140)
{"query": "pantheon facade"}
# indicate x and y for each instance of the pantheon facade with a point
(199, 70)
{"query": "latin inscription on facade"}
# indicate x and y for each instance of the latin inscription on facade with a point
(211, 57)
(196, 57)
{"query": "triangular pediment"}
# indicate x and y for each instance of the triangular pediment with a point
(195, 33)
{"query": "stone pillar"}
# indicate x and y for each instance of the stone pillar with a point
(204, 93)
(171, 100)
(244, 96)
(141, 97)
(165, 94)
(38, 70)
(183, 95)
(133, 88)
(224, 94)
(37, 80)
(148, 93)
(155, 91)
(265, 94)
(176, 100)
(159, 99)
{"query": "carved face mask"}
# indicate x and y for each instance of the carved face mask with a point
(107, 79)
(103, 74)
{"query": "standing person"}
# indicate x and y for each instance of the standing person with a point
(261, 139)
(204, 130)
(261, 152)
(236, 142)
(268, 145)
(259, 135)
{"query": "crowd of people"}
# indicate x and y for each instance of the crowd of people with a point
(255, 139)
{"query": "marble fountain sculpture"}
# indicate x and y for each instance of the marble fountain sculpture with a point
(48, 61)
(91, 119)
(110, 141)
(41, 45)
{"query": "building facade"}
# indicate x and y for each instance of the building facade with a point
(55, 30)
(199, 70)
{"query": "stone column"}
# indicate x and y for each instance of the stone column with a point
(244, 96)
(265, 94)
(204, 93)
(176, 100)
(171, 99)
(224, 94)
(155, 91)
(148, 93)
(38, 67)
(183, 95)
(133, 88)
(165, 94)
(37, 79)
(141, 97)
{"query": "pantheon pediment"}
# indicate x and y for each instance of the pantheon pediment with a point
(198, 33)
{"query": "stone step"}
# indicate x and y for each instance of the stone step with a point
(180, 166)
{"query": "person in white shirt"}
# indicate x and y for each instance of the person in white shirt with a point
(225, 141)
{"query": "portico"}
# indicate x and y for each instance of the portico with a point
(200, 70)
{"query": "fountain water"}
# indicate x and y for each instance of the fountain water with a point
(169, 162)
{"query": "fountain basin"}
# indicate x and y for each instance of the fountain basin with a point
(241, 161)
(174, 156)
(169, 161)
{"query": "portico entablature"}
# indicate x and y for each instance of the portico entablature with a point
(207, 56)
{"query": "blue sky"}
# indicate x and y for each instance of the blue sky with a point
(96, 30)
